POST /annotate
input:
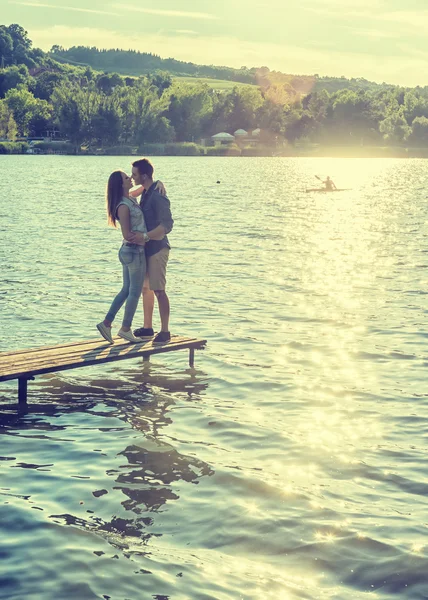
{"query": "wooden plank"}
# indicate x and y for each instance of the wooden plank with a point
(73, 365)
(73, 347)
(43, 348)
(79, 353)
(95, 343)
(79, 359)
(109, 353)
(66, 353)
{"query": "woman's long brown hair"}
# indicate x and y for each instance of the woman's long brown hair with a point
(114, 196)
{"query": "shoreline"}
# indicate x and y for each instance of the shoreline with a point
(195, 150)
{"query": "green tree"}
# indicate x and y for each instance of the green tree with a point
(298, 124)
(350, 117)
(190, 108)
(246, 101)
(317, 105)
(21, 52)
(8, 127)
(419, 133)
(13, 77)
(45, 84)
(12, 128)
(6, 45)
(162, 80)
(31, 114)
(19, 36)
(73, 108)
(222, 109)
(107, 83)
(105, 124)
(70, 121)
(141, 114)
(414, 106)
(272, 117)
(395, 129)
(147, 115)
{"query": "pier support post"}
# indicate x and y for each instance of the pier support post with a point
(191, 357)
(22, 389)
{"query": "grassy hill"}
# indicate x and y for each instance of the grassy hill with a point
(215, 84)
(133, 63)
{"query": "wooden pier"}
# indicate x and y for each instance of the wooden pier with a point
(24, 365)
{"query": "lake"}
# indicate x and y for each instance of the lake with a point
(291, 462)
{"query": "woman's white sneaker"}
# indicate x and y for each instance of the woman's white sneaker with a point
(105, 332)
(128, 336)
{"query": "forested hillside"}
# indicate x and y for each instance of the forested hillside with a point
(133, 62)
(41, 96)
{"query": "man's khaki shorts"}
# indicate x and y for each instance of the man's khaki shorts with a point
(156, 269)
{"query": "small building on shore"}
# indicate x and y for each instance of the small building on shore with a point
(222, 138)
(241, 137)
(240, 134)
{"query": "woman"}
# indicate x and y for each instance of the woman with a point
(125, 209)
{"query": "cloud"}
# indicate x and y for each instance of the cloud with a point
(401, 69)
(165, 13)
(372, 4)
(414, 19)
(373, 33)
(186, 32)
(120, 8)
(371, 12)
(344, 8)
(73, 8)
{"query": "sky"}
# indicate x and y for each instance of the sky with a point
(380, 40)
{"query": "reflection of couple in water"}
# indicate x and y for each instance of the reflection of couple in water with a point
(143, 254)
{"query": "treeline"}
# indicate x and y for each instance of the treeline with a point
(133, 62)
(96, 109)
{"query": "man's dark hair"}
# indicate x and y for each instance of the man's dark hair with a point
(144, 167)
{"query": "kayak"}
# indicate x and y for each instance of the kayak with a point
(327, 191)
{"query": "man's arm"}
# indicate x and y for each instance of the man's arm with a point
(158, 233)
(125, 224)
(163, 216)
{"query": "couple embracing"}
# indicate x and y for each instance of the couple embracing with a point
(144, 252)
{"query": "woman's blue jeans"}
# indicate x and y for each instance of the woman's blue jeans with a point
(133, 261)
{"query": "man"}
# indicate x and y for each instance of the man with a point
(159, 222)
(329, 184)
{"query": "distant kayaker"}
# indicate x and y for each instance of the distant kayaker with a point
(329, 184)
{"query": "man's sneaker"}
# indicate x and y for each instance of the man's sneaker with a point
(105, 332)
(163, 337)
(128, 336)
(145, 333)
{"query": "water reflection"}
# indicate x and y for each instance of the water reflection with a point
(138, 404)
(154, 471)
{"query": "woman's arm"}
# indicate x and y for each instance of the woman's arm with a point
(139, 190)
(160, 188)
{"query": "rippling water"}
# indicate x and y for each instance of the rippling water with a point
(291, 462)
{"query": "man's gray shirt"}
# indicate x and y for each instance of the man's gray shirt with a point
(157, 211)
